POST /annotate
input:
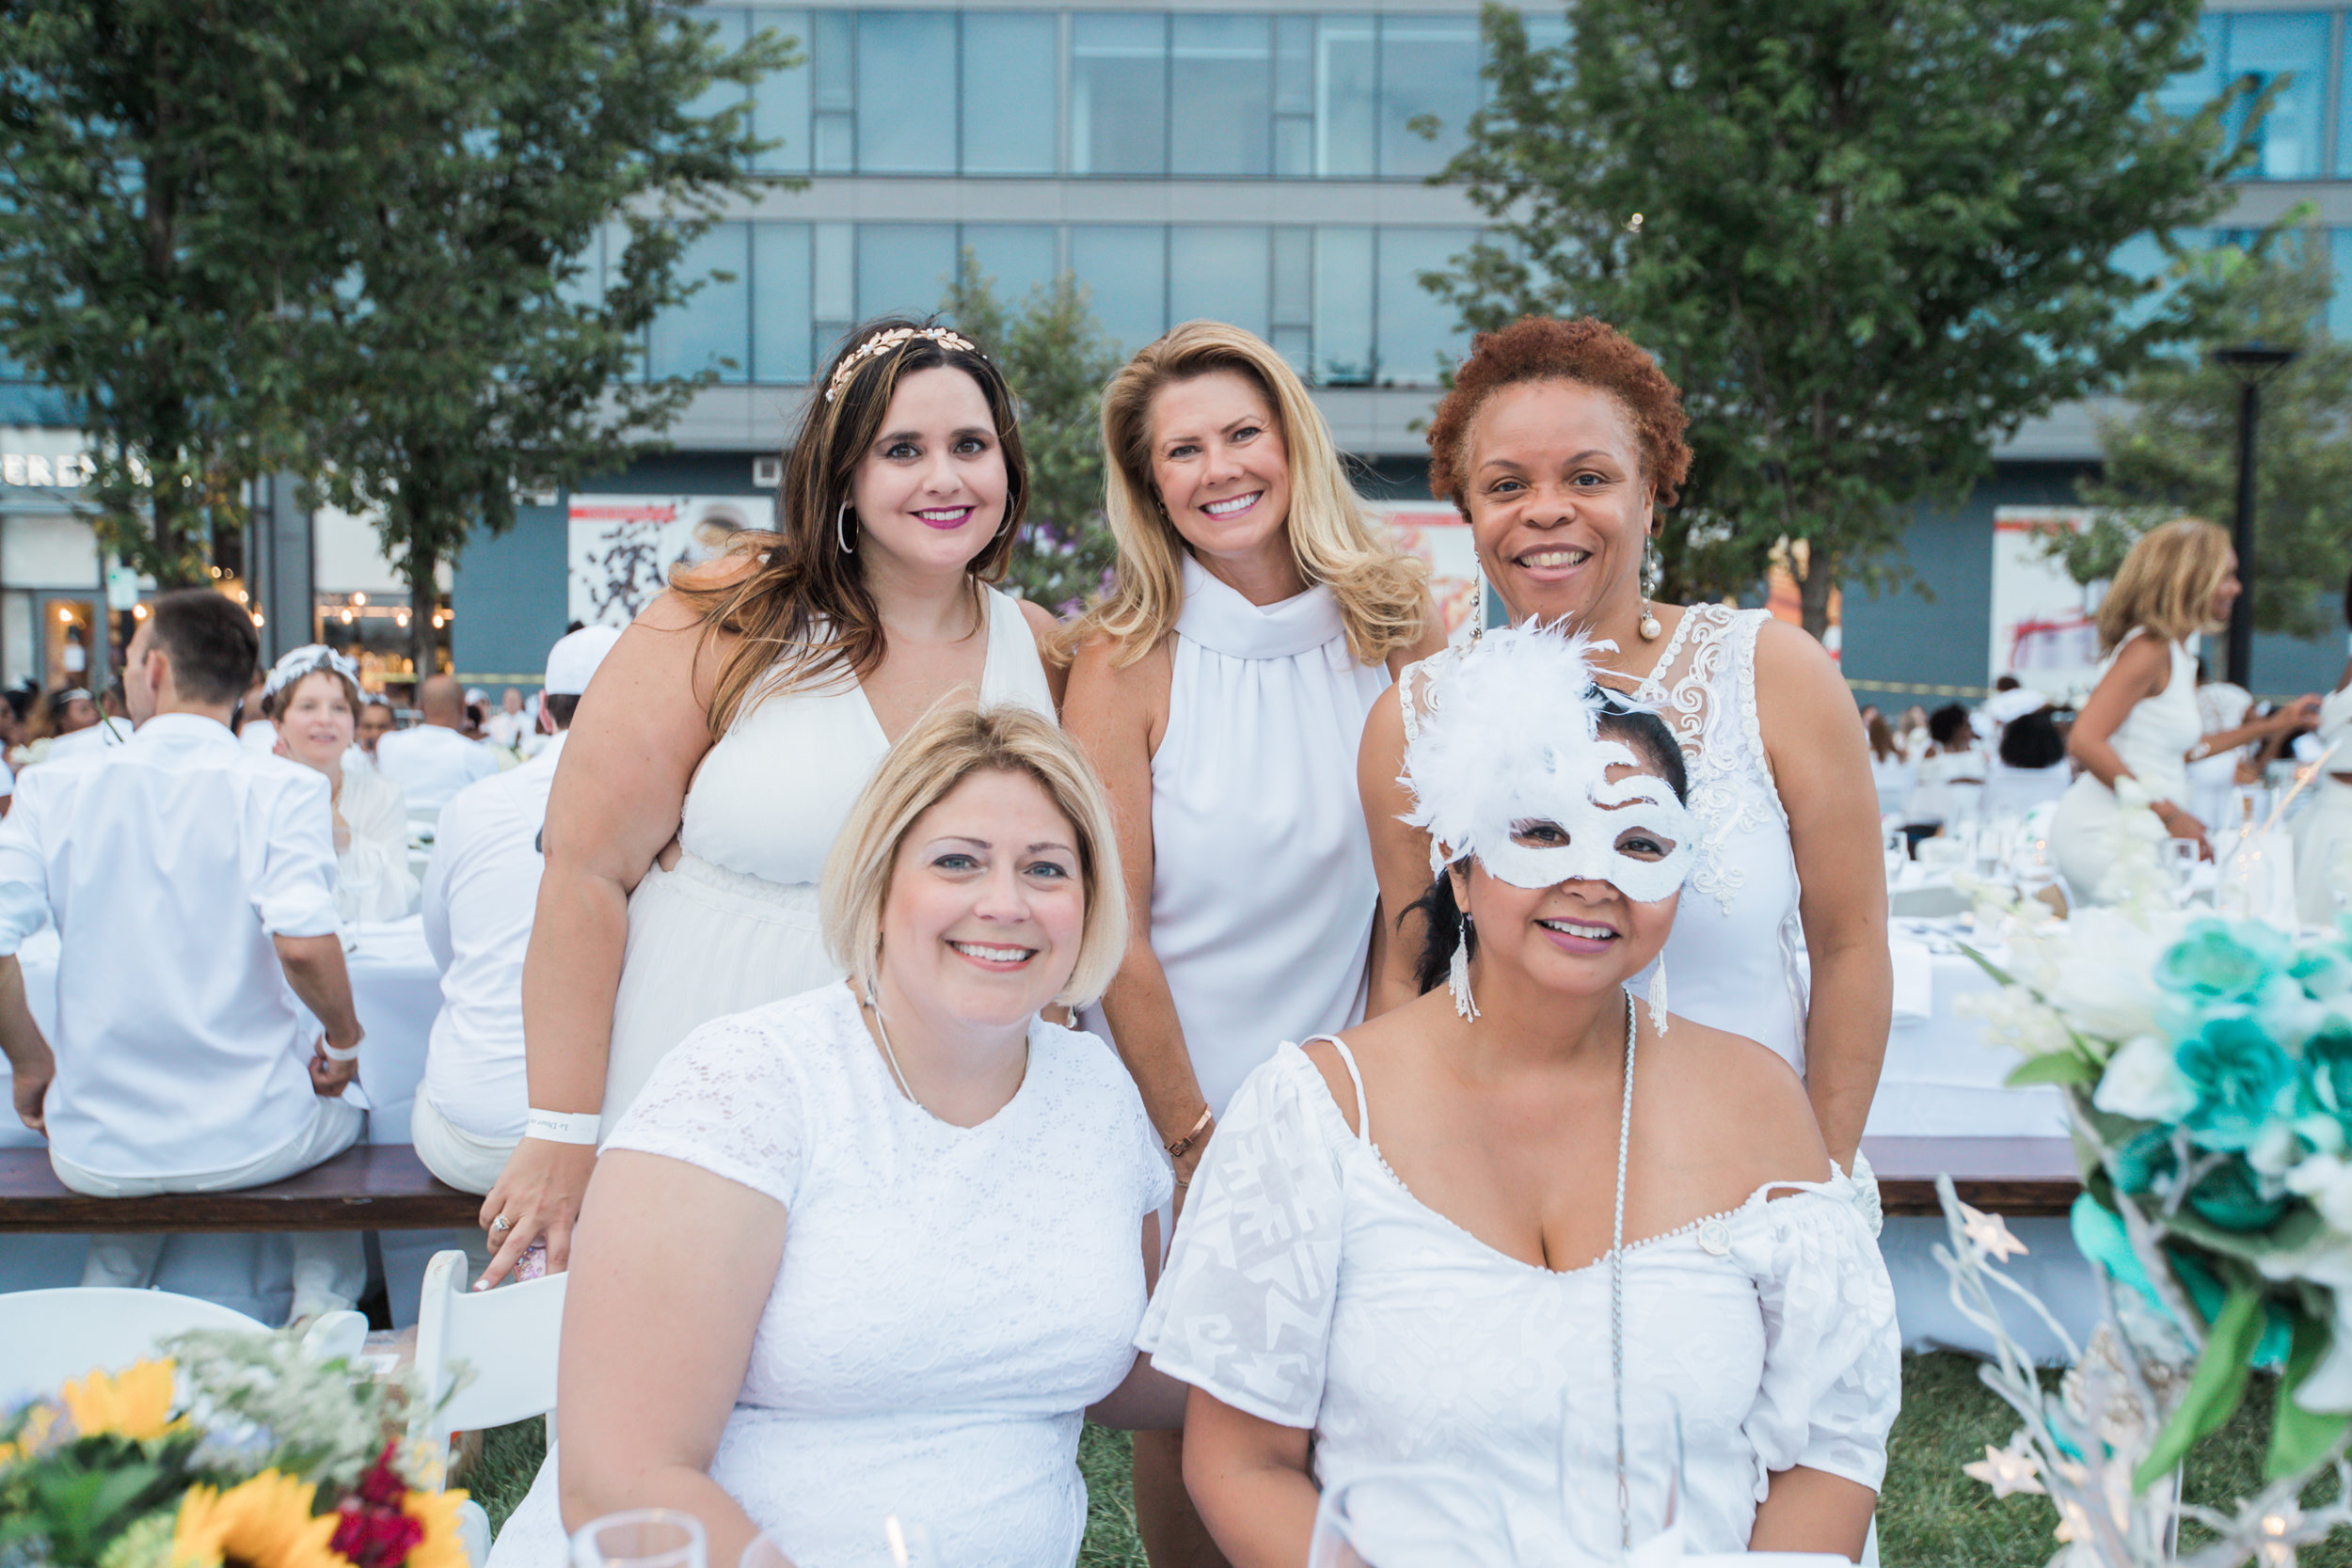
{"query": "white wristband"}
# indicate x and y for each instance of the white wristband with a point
(350, 1053)
(563, 1127)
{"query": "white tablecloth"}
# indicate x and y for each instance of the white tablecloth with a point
(396, 989)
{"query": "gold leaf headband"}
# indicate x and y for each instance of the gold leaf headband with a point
(883, 343)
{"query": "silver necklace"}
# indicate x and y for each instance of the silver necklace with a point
(882, 1033)
(1616, 1281)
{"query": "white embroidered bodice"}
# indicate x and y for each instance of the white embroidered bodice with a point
(1732, 963)
(950, 1299)
(1309, 1288)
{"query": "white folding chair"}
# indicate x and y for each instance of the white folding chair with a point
(48, 1337)
(507, 1337)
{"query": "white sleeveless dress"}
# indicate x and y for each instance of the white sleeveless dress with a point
(732, 924)
(1263, 889)
(1732, 961)
(2090, 831)
(2323, 839)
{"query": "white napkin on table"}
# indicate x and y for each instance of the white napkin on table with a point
(1915, 979)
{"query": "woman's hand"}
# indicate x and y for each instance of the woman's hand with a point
(2179, 824)
(537, 1194)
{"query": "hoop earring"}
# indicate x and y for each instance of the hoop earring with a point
(1457, 974)
(841, 530)
(1649, 628)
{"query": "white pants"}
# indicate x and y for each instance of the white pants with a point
(467, 1161)
(329, 1266)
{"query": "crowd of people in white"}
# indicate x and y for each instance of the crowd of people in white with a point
(918, 1023)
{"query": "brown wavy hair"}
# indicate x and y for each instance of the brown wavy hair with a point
(1587, 350)
(1383, 592)
(800, 612)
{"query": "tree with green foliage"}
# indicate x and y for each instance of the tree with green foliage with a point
(1869, 241)
(481, 349)
(2172, 449)
(1056, 358)
(179, 181)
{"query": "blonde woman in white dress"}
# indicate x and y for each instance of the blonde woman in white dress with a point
(1219, 688)
(724, 738)
(2323, 838)
(2135, 737)
(312, 698)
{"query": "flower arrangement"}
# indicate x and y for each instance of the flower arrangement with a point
(2207, 1066)
(235, 1452)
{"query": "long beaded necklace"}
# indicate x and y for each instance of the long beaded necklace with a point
(1616, 1283)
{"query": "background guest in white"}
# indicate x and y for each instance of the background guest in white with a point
(1892, 773)
(109, 729)
(433, 761)
(192, 887)
(313, 698)
(508, 725)
(481, 889)
(375, 722)
(2029, 767)
(65, 711)
(1952, 775)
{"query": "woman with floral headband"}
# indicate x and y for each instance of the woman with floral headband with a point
(724, 738)
(312, 698)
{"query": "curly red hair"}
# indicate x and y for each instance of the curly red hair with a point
(1587, 350)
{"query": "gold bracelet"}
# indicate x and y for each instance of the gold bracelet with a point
(1176, 1148)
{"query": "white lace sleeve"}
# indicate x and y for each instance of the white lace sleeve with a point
(728, 1099)
(1244, 1307)
(1833, 1354)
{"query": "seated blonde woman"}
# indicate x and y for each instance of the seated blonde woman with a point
(876, 1249)
(1522, 1194)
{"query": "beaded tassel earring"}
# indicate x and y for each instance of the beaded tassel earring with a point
(1458, 974)
(1649, 628)
(1657, 995)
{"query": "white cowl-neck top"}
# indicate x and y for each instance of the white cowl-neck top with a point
(1262, 890)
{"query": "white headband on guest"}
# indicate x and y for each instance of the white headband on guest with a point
(307, 660)
(1509, 765)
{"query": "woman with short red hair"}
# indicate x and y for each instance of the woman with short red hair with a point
(1560, 443)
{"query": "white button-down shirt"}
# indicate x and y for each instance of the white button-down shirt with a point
(432, 763)
(167, 864)
(481, 889)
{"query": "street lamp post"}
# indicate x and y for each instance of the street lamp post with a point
(2252, 364)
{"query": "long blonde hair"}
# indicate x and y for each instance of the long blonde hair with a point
(946, 746)
(1382, 592)
(2165, 585)
(794, 601)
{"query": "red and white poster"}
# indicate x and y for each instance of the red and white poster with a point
(1438, 536)
(2042, 630)
(622, 547)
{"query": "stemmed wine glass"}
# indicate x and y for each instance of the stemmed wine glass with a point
(641, 1538)
(1411, 1516)
(2180, 865)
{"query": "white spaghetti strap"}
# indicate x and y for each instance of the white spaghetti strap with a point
(1347, 1059)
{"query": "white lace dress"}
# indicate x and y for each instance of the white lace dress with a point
(1309, 1288)
(1733, 962)
(950, 1300)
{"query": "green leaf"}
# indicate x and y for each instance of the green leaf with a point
(2057, 1067)
(2214, 1389)
(2300, 1438)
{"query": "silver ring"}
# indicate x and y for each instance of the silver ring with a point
(501, 1223)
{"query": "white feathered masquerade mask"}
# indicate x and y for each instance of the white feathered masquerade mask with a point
(1509, 764)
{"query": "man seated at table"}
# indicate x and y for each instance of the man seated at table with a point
(193, 886)
(480, 890)
(433, 761)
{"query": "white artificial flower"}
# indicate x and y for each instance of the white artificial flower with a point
(2104, 973)
(2276, 1148)
(2329, 1261)
(2143, 1082)
(2327, 1181)
(2013, 1018)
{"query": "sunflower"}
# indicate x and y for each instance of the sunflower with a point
(442, 1547)
(264, 1523)
(136, 1404)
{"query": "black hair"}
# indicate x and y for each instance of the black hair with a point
(560, 708)
(2348, 601)
(1944, 723)
(1637, 728)
(2006, 683)
(211, 640)
(2032, 740)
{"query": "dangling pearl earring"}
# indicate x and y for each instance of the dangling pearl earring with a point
(841, 530)
(1649, 628)
(1458, 974)
(1657, 995)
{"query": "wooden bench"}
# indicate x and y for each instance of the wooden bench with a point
(367, 1187)
(2019, 1177)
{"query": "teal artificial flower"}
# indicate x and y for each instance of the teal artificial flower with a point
(2323, 969)
(2326, 1089)
(2229, 1196)
(2241, 1076)
(2217, 960)
(2145, 1161)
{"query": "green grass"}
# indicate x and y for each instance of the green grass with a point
(1930, 1515)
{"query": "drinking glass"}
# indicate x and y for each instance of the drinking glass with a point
(1411, 1516)
(909, 1544)
(1650, 1511)
(2032, 865)
(2180, 865)
(641, 1538)
(1895, 848)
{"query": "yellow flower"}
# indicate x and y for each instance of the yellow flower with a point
(136, 1404)
(442, 1547)
(264, 1523)
(39, 1422)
